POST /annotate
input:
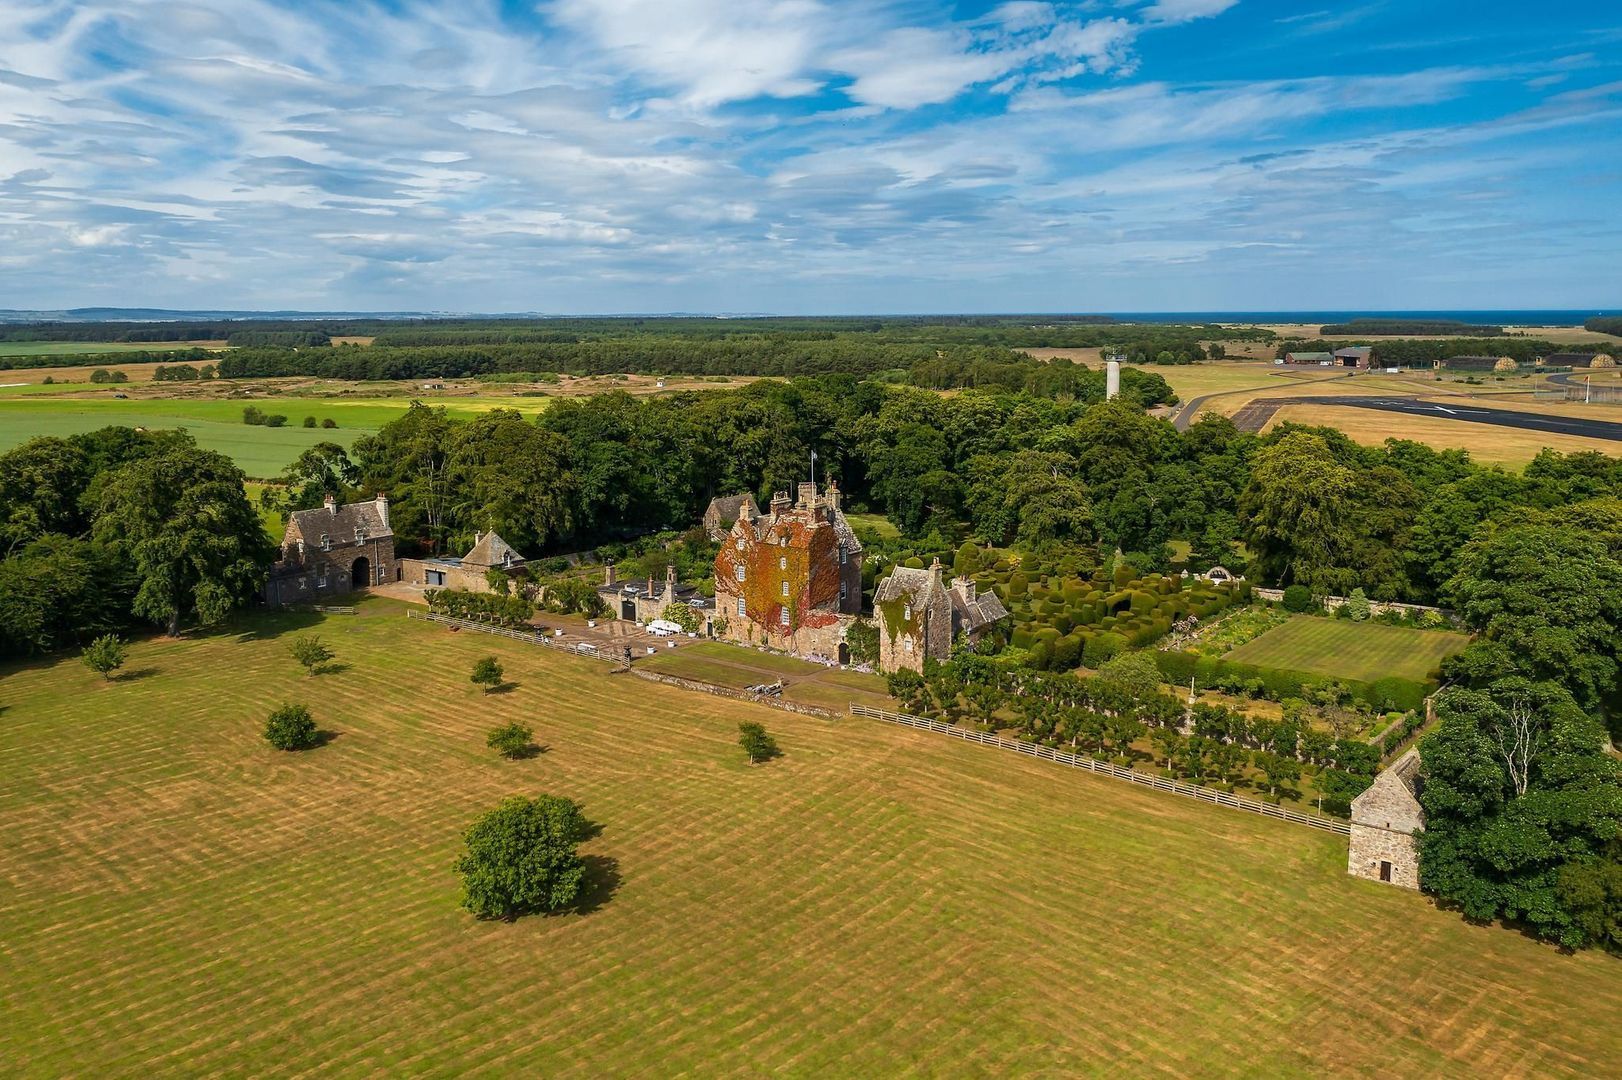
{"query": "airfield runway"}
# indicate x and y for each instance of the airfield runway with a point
(1255, 415)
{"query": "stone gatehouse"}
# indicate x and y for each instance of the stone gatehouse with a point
(333, 550)
(919, 616)
(1385, 822)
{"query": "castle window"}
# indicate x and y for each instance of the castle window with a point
(782, 563)
(326, 542)
(740, 571)
(785, 588)
(842, 553)
(843, 590)
(741, 609)
(906, 643)
(360, 532)
(321, 578)
(906, 611)
(783, 617)
(740, 543)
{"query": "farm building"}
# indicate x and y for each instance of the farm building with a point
(333, 549)
(642, 602)
(1579, 360)
(1314, 359)
(791, 578)
(919, 616)
(1358, 356)
(471, 571)
(1384, 821)
(1477, 363)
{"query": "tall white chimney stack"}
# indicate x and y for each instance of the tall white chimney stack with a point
(1112, 380)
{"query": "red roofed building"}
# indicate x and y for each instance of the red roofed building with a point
(790, 578)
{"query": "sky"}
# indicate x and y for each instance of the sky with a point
(811, 156)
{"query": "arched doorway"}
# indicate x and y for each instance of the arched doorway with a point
(360, 574)
(844, 653)
(628, 610)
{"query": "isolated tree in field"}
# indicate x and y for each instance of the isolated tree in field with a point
(182, 523)
(291, 728)
(487, 672)
(311, 651)
(513, 740)
(521, 857)
(755, 742)
(105, 655)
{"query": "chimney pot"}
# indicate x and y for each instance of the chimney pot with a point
(608, 574)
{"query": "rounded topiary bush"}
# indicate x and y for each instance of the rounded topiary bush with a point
(291, 728)
(1102, 649)
(1297, 598)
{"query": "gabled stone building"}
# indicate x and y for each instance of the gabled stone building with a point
(1385, 821)
(725, 510)
(919, 616)
(791, 578)
(643, 602)
(472, 571)
(331, 550)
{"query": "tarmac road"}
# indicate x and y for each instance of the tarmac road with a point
(1257, 413)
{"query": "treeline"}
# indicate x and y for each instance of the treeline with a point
(281, 332)
(17, 363)
(1402, 327)
(117, 527)
(1605, 324)
(1420, 353)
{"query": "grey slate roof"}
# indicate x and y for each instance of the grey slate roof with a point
(984, 609)
(729, 508)
(906, 582)
(1308, 357)
(492, 550)
(340, 526)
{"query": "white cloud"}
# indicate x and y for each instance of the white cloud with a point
(1176, 11)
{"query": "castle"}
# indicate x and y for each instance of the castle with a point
(790, 578)
(920, 617)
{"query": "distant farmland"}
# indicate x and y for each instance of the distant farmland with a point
(75, 348)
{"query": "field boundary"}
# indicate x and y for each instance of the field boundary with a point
(736, 695)
(1104, 768)
(532, 637)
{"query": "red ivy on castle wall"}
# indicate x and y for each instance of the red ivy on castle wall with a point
(812, 573)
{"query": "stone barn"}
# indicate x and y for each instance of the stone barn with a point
(1385, 822)
(643, 602)
(471, 571)
(331, 550)
(919, 616)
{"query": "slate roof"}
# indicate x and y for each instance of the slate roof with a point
(728, 508)
(1357, 352)
(983, 610)
(906, 582)
(1308, 357)
(340, 526)
(492, 550)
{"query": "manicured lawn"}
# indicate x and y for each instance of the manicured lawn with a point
(736, 667)
(1343, 649)
(875, 523)
(178, 898)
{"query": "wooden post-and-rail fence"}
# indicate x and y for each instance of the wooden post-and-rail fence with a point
(1104, 768)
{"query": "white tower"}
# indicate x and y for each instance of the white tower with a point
(1112, 380)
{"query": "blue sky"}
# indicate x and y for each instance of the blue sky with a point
(811, 155)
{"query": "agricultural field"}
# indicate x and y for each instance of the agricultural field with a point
(75, 348)
(179, 897)
(1343, 649)
(736, 667)
(1487, 443)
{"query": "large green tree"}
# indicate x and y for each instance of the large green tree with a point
(521, 857)
(1523, 808)
(183, 523)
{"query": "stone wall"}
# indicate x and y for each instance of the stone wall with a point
(1376, 607)
(414, 572)
(1371, 845)
(323, 574)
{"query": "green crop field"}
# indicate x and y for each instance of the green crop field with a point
(178, 898)
(77, 348)
(217, 424)
(1343, 649)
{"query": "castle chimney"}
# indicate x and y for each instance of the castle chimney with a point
(331, 503)
(383, 508)
(608, 574)
(780, 503)
(808, 496)
(964, 587)
(650, 587)
(935, 566)
(670, 580)
(833, 496)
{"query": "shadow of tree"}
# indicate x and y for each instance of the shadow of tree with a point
(332, 667)
(598, 884)
(134, 675)
(502, 688)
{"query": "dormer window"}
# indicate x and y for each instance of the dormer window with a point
(360, 532)
(326, 542)
(783, 540)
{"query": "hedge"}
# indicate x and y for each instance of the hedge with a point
(1388, 694)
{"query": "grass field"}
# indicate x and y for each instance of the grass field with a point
(75, 348)
(736, 667)
(1343, 649)
(179, 898)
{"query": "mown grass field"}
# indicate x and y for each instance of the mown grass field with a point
(1343, 649)
(178, 898)
(735, 667)
(1489, 444)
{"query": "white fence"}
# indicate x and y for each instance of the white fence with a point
(1078, 761)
